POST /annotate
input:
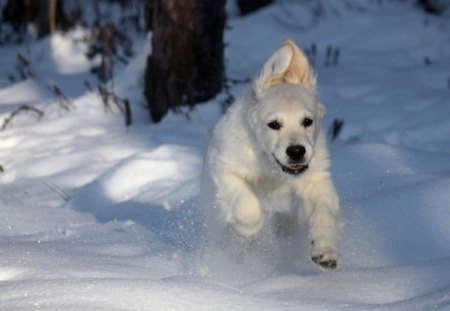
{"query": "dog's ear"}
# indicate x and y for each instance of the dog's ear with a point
(287, 65)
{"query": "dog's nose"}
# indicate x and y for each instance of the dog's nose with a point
(296, 152)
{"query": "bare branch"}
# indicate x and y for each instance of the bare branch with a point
(23, 108)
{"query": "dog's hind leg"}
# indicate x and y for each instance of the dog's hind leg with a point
(239, 204)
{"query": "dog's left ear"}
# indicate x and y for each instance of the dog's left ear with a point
(287, 65)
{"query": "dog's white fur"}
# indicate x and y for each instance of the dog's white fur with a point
(249, 185)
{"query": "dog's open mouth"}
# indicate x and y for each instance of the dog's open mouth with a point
(294, 168)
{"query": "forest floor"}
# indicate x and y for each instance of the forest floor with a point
(99, 216)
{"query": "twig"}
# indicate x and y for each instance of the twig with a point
(25, 108)
(23, 60)
(128, 118)
(60, 192)
(63, 101)
(28, 71)
(123, 104)
(88, 86)
(336, 129)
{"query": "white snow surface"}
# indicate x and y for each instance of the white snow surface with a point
(97, 216)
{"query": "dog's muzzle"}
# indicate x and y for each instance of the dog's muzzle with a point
(293, 169)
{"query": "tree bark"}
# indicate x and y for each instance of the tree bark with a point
(43, 21)
(186, 65)
(16, 13)
(249, 6)
(432, 7)
(45, 14)
(148, 7)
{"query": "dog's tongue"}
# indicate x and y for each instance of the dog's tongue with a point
(296, 166)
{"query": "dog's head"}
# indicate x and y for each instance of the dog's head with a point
(285, 113)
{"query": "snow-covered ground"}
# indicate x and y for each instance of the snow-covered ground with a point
(97, 216)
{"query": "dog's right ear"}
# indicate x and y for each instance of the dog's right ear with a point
(287, 65)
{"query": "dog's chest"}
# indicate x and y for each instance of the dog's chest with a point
(274, 194)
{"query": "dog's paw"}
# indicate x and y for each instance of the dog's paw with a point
(248, 216)
(326, 259)
(245, 230)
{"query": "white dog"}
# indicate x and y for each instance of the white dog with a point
(268, 156)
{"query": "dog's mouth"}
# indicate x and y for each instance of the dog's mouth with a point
(294, 168)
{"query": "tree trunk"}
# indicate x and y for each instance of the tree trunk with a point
(16, 12)
(435, 7)
(45, 14)
(47, 18)
(148, 7)
(249, 6)
(186, 65)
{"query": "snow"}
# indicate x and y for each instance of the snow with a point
(98, 216)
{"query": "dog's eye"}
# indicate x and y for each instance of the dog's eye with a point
(307, 122)
(274, 125)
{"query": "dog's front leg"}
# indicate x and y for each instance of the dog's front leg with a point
(239, 204)
(321, 203)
